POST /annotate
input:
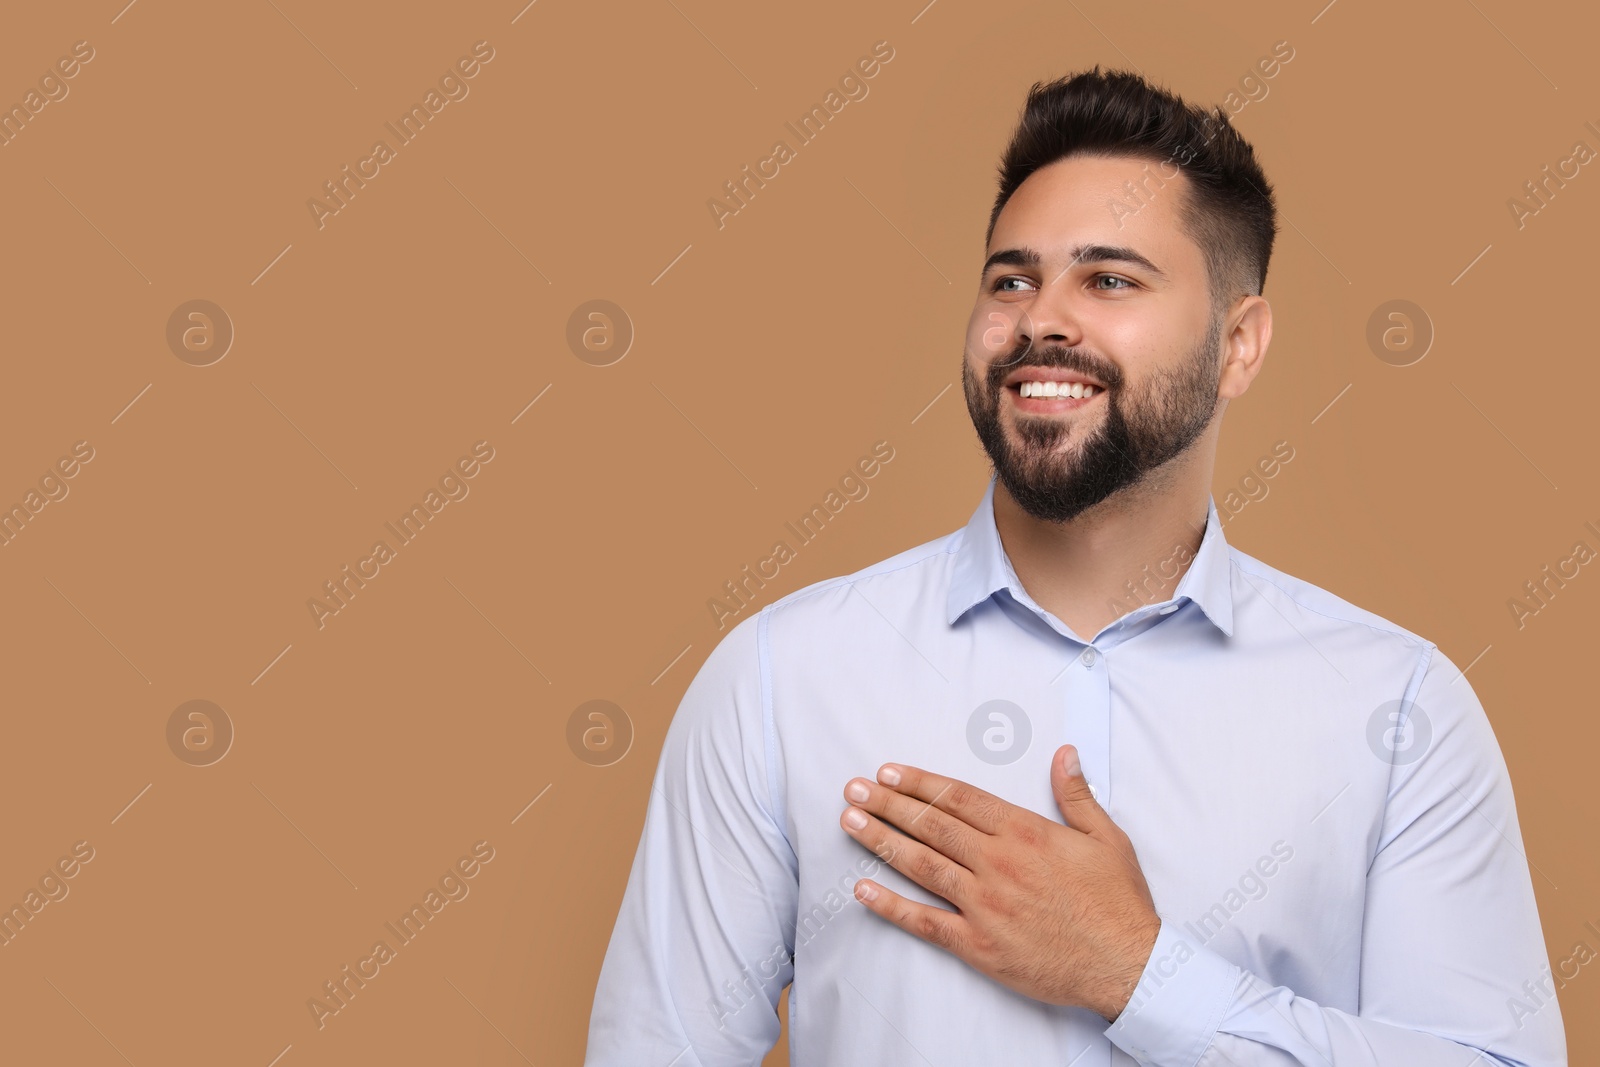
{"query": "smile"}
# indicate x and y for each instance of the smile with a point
(1049, 397)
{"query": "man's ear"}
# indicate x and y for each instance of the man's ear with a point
(1247, 332)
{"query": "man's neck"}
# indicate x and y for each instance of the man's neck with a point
(1129, 550)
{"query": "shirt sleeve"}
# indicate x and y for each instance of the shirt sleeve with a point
(703, 943)
(1454, 971)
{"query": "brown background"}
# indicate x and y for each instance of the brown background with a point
(373, 352)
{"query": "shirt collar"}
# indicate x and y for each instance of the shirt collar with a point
(982, 568)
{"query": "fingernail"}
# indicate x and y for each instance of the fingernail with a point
(1073, 766)
(889, 775)
(866, 890)
(857, 791)
(855, 819)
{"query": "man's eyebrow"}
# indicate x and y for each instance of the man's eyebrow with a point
(1027, 257)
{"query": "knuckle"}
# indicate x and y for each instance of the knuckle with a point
(996, 903)
(994, 810)
(1006, 867)
(962, 796)
(935, 930)
(937, 876)
(944, 833)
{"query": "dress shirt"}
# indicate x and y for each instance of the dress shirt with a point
(1315, 795)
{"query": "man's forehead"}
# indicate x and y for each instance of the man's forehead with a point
(1083, 202)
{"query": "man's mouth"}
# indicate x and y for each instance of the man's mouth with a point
(1044, 398)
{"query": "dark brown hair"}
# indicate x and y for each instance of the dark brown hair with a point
(1229, 210)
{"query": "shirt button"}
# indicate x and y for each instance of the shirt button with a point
(1093, 791)
(1088, 657)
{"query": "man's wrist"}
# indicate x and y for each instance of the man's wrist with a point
(1178, 1001)
(1120, 986)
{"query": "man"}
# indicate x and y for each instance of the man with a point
(1079, 784)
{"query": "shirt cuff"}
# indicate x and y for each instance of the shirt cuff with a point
(1178, 1004)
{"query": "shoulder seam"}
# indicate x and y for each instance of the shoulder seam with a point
(858, 575)
(769, 739)
(1407, 701)
(1393, 629)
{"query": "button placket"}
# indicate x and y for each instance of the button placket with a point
(1088, 720)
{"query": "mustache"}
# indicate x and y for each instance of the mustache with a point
(1054, 357)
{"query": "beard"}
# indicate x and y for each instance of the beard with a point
(1142, 429)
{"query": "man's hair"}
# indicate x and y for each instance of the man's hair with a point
(1229, 210)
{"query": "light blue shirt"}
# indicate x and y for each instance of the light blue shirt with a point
(1315, 796)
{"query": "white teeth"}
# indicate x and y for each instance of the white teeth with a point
(1045, 389)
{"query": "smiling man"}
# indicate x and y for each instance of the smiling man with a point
(977, 812)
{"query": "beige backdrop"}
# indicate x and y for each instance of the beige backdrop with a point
(233, 456)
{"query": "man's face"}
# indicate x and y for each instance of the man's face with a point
(1061, 297)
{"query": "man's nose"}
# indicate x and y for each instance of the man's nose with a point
(1050, 318)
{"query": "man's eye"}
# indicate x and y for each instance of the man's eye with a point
(1114, 278)
(1000, 283)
